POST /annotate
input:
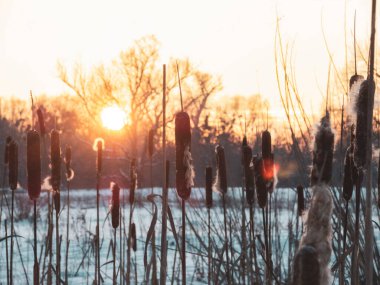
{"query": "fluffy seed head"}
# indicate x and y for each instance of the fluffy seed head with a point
(209, 187)
(69, 171)
(55, 156)
(33, 162)
(354, 78)
(323, 152)
(306, 268)
(184, 171)
(362, 117)
(13, 165)
(220, 184)
(248, 175)
(98, 147)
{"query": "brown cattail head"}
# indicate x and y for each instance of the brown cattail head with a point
(41, 122)
(98, 146)
(306, 268)
(262, 192)
(133, 181)
(55, 156)
(220, 184)
(323, 152)
(133, 241)
(57, 200)
(184, 168)
(13, 165)
(33, 161)
(362, 117)
(354, 78)
(248, 175)
(115, 205)
(243, 144)
(6, 150)
(268, 160)
(69, 171)
(151, 143)
(300, 200)
(209, 187)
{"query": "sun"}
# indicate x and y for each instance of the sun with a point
(113, 118)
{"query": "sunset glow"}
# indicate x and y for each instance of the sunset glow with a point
(113, 118)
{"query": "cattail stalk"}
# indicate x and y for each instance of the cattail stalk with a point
(208, 206)
(115, 215)
(55, 154)
(132, 189)
(6, 251)
(34, 186)
(13, 179)
(99, 148)
(69, 176)
(163, 269)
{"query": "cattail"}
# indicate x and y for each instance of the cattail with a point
(6, 150)
(262, 192)
(306, 267)
(184, 168)
(348, 184)
(209, 187)
(378, 184)
(133, 181)
(268, 160)
(55, 155)
(13, 165)
(220, 184)
(355, 78)
(300, 200)
(33, 162)
(115, 205)
(69, 171)
(99, 148)
(133, 237)
(151, 143)
(323, 152)
(41, 122)
(360, 149)
(248, 174)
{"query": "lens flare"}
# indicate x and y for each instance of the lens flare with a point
(113, 118)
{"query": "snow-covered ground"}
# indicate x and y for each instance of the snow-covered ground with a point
(82, 228)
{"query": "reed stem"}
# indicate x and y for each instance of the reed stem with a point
(183, 260)
(226, 240)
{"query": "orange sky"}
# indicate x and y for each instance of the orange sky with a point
(234, 39)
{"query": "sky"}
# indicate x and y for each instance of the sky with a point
(233, 39)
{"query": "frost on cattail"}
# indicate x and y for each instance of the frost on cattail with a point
(132, 181)
(133, 241)
(69, 171)
(98, 147)
(318, 232)
(268, 160)
(184, 167)
(323, 152)
(41, 122)
(208, 187)
(306, 269)
(362, 117)
(33, 163)
(13, 165)
(354, 79)
(261, 188)
(220, 183)
(6, 150)
(300, 200)
(248, 175)
(115, 205)
(151, 143)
